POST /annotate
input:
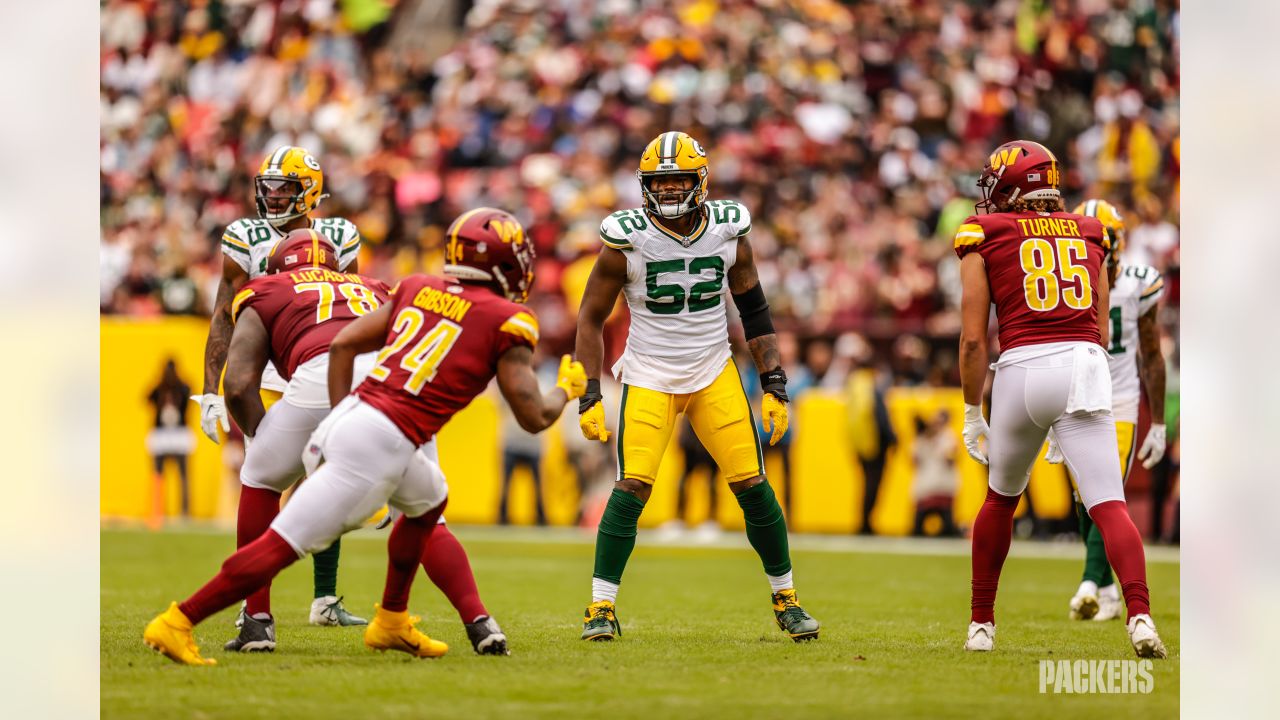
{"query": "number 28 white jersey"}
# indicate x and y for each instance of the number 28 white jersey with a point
(249, 241)
(1138, 288)
(677, 291)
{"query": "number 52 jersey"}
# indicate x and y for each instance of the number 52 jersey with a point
(1043, 271)
(679, 337)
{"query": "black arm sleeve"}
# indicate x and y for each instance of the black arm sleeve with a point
(754, 310)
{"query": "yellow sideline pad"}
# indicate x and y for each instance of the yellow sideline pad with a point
(827, 486)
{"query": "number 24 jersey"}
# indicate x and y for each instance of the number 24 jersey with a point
(1043, 271)
(441, 350)
(676, 290)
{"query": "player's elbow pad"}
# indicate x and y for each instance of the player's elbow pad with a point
(754, 310)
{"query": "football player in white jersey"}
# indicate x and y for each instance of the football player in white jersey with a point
(288, 188)
(671, 259)
(1135, 354)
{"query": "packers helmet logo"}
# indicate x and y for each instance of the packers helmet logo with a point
(310, 161)
(697, 147)
(508, 231)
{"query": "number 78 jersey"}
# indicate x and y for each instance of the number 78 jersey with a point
(675, 288)
(1043, 271)
(442, 349)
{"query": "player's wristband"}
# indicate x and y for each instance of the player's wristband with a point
(590, 397)
(774, 382)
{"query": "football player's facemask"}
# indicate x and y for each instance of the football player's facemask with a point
(1111, 219)
(490, 246)
(303, 248)
(289, 184)
(1018, 169)
(673, 154)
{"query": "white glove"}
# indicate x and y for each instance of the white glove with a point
(1153, 447)
(391, 516)
(975, 428)
(1053, 455)
(213, 411)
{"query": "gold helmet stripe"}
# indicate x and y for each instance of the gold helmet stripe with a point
(451, 248)
(315, 248)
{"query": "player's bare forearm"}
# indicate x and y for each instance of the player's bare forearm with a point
(366, 334)
(220, 326)
(764, 351)
(533, 410)
(744, 286)
(215, 347)
(246, 358)
(1151, 364)
(603, 286)
(975, 309)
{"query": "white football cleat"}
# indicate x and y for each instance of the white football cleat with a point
(982, 637)
(1145, 639)
(1110, 606)
(1084, 604)
(329, 611)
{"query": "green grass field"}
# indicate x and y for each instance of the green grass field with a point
(698, 638)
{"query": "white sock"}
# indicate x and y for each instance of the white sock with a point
(603, 590)
(1087, 587)
(1111, 591)
(780, 582)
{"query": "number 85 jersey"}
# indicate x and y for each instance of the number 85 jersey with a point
(676, 290)
(1043, 271)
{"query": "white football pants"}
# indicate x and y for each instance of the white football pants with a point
(364, 462)
(1034, 391)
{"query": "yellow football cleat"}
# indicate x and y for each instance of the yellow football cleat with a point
(601, 622)
(395, 631)
(170, 635)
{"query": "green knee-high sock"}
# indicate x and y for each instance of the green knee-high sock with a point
(1096, 567)
(616, 537)
(766, 528)
(325, 563)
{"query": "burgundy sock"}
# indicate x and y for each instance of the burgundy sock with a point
(247, 570)
(446, 564)
(404, 548)
(258, 507)
(992, 533)
(1124, 552)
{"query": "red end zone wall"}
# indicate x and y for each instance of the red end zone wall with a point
(827, 487)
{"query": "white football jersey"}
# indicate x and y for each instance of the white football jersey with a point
(677, 291)
(249, 241)
(1138, 288)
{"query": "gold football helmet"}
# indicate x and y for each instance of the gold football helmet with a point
(1111, 219)
(288, 185)
(673, 153)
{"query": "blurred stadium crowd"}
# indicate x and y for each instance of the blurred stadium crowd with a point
(852, 131)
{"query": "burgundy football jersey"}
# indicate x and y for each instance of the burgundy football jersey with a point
(442, 349)
(304, 309)
(1043, 271)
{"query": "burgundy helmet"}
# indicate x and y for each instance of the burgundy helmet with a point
(1018, 169)
(302, 248)
(489, 245)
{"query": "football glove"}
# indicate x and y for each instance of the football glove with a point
(975, 428)
(773, 404)
(213, 412)
(1053, 455)
(591, 413)
(1152, 450)
(572, 378)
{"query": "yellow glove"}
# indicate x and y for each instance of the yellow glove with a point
(592, 423)
(774, 412)
(572, 378)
